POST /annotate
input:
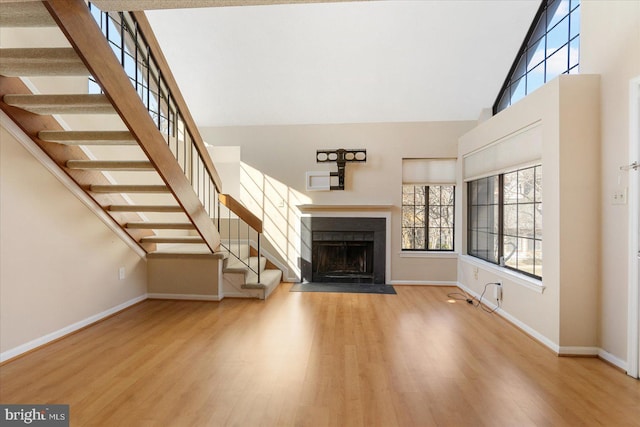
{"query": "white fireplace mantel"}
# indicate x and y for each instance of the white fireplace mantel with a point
(343, 208)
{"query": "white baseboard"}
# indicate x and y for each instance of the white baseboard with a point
(422, 283)
(526, 328)
(560, 350)
(616, 361)
(239, 295)
(189, 297)
(578, 351)
(38, 342)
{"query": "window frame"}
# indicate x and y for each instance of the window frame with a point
(498, 247)
(426, 225)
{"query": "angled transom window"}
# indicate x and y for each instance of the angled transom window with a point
(551, 47)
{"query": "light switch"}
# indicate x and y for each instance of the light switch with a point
(619, 197)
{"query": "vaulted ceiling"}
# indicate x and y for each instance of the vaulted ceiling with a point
(342, 62)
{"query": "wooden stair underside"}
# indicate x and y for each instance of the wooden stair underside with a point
(88, 137)
(61, 104)
(41, 62)
(173, 240)
(111, 165)
(160, 225)
(25, 14)
(31, 124)
(92, 56)
(115, 188)
(145, 208)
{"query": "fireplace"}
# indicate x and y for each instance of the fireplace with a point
(343, 250)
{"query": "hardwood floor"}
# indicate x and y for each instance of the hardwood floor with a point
(312, 359)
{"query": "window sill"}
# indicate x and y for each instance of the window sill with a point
(514, 277)
(427, 254)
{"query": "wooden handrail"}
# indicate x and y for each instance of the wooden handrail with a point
(145, 28)
(243, 213)
(75, 21)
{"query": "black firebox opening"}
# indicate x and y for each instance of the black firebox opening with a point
(345, 261)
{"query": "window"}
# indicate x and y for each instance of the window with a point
(505, 220)
(484, 222)
(428, 201)
(427, 217)
(522, 225)
(551, 47)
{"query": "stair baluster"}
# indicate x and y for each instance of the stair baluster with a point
(254, 226)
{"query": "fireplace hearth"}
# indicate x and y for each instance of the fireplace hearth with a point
(343, 250)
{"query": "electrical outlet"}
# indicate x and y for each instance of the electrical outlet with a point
(497, 292)
(121, 273)
(475, 273)
(619, 197)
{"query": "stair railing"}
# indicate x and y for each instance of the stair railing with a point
(239, 226)
(134, 44)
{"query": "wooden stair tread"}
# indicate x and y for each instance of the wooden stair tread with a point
(61, 104)
(88, 137)
(160, 225)
(28, 62)
(25, 14)
(129, 189)
(145, 208)
(168, 239)
(121, 165)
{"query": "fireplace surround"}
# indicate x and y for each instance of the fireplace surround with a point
(343, 250)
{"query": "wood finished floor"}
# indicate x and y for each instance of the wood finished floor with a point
(313, 359)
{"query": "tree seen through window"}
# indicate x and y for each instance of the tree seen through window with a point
(428, 217)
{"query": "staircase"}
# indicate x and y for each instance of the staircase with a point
(240, 278)
(138, 155)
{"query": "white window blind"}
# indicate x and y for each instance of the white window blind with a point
(428, 171)
(506, 154)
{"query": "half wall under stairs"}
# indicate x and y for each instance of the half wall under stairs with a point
(210, 277)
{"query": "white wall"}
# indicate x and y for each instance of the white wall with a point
(284, 153)
(59, 263)
(610, 46)
(560, 310)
